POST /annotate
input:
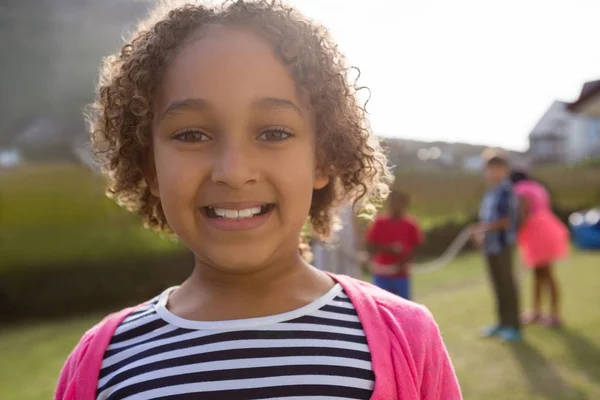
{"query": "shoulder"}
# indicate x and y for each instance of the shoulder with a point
(412, 221)
(104, 328)
(410, 324)
(381, 219)
(97, 330)
(520, 187)
(89, 350)
(505, 188)
(406, 324)
(504, 193)
(379, 222)
(488, 194)
(404, 317)
(398, 314)
(537, 187)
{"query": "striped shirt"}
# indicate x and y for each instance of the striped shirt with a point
(318, 351)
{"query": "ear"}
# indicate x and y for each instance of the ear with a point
(149, 170)
(321, 180)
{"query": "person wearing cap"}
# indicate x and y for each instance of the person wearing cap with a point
(496, 235)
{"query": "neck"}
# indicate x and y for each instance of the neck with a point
(210, 279)
(213, 294)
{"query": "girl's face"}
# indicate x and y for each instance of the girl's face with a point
(234, 152)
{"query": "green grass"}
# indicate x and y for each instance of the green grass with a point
(32, 355)
(549, 365)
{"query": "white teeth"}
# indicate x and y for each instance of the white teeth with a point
(231, 214)
(237, 214)
(245, 213)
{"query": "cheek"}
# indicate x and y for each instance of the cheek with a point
(295, 174)
(177, 175)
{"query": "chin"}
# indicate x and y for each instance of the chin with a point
(235, 260)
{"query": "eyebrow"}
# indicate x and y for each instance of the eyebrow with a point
(277, 103)
(196, 104)
(185, 105)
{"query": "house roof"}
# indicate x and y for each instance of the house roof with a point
(552, 120)
(588, 91)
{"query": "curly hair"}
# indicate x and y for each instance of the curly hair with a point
(121, 114)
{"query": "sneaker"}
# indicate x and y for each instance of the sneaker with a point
(552, 322)
(510, 335)
(530, 318)
(491, 331)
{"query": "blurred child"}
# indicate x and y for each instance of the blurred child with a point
(496, 234)
(229, 126)
(542, 239)
(391, 241)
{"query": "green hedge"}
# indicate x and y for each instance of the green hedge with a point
(53, 214)
(435, 195)
(59, 290)
(66, 250)
(52, 291)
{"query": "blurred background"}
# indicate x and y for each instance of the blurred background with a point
(447, 80)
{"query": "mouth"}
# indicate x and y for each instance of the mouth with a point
(237, 213)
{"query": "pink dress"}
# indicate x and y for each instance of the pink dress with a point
(542, 238)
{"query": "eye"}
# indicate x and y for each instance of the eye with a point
(191, 136)
(275, 135)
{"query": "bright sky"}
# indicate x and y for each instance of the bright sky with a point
(465, 70)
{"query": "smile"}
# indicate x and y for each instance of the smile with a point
(235, 214)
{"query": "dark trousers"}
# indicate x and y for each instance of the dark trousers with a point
(500, 267)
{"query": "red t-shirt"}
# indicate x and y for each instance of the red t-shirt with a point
(387, 231)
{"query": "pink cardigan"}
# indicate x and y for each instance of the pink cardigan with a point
(410, 360)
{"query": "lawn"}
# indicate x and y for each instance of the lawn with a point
(559, 364)
(550, 365)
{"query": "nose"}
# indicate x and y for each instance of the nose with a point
(234, 165)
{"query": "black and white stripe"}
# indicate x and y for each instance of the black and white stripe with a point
(316, 352)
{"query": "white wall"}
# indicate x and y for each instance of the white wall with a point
(594, 137)
(583, 139)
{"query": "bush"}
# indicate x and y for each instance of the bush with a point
(440, 195)
(60, 290)
(58, 214)
(439, 238)
(67, 250)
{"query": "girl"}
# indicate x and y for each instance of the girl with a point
(229, 126)
(542, 240)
